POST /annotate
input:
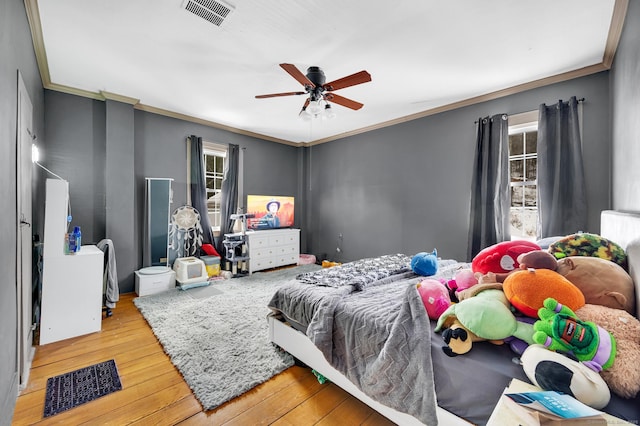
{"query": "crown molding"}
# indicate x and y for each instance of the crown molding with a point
(615, 31)
(33, 16)
(172, 114)
(108, 96)
(472, 101)
(613, 38)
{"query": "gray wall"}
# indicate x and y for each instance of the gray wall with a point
(406, 188)
(75, 150)
(16, 51)
(625, 90)
(106, 152)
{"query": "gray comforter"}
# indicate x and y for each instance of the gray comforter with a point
(377, 334)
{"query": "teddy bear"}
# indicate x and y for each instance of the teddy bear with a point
(623, 377)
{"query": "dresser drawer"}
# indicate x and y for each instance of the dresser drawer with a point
(258, 264)
(258, 241)
(288, 249)
(262, 252)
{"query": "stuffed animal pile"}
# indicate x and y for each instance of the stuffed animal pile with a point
(570, 309)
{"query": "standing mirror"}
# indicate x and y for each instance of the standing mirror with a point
(157, 221)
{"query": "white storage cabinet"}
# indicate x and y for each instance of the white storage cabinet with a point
(71, 283)
(272, 248)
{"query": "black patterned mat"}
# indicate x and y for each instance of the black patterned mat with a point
(77, 387)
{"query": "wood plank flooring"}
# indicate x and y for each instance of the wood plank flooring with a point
(154, 392)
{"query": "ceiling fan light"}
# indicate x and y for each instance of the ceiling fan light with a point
(304, 115)
(328, 112)
(314, 108)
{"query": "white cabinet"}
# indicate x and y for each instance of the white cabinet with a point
(71, 284)
(272, 248)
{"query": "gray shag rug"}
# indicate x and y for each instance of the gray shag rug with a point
(217, 336)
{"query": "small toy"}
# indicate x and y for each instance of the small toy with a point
(560, 329)
(435, 297)
(425, 264)
(464, 279)
(501, 257)
(329, 264)
(527, 290)
(623, 377)
(484, 317)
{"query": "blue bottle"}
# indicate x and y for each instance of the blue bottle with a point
(78, 238)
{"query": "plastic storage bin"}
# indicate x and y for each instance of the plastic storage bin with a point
(154, 279)
(212, 264)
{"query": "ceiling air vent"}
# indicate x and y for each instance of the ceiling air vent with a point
(212, 10)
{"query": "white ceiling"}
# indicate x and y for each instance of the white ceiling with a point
(422, 55)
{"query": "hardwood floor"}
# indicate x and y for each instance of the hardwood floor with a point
(154, 392)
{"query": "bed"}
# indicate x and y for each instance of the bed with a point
(366, 331)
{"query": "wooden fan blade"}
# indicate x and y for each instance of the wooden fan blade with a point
(350, 80)
(273, 95)
(341, 100)
(306, 103)
(298, 75)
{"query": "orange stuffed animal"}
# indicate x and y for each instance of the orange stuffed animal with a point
(527, 290)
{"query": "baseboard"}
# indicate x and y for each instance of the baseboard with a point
(9, 401)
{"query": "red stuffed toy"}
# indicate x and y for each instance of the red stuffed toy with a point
(501, 257)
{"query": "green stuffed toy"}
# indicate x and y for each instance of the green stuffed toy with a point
(559, 329)
(484, 317)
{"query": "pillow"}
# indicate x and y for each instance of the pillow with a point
(602, 282)
(584, 244)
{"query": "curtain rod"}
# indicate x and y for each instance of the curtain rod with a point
(581, 100)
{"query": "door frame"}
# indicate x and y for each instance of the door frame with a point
(24, 280)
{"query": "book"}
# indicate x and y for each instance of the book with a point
(553, 408)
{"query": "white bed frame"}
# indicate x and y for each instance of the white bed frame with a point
(620, 227)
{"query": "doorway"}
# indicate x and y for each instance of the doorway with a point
(24, 253)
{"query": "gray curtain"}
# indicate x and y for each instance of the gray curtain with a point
(490, 197)
(562, 202)
(198, 187)
(229, 198)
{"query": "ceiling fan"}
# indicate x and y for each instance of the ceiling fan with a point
(315, 86)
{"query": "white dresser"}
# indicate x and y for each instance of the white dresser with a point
(272, 248)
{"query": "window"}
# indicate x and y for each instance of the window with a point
(214, 159)
(523, 165)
